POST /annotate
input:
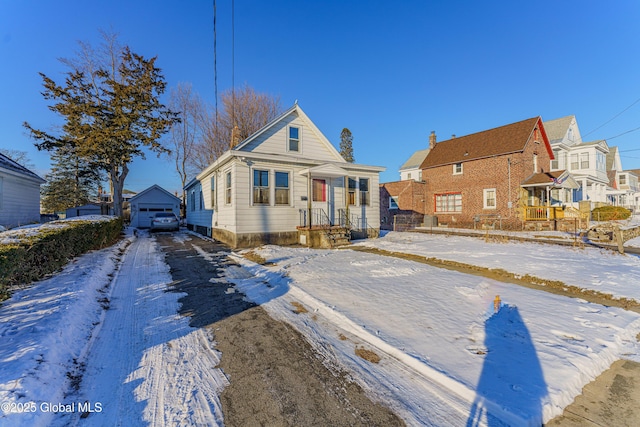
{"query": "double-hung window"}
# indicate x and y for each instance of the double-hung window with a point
(364, 191)
(260, 187)
(282, 188)
(294, 138)
(489, 198)
(352, 191)
(227, 190)
(457, 169)
(584, 160)
(213, 192)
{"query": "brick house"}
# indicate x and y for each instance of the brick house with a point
(492, 174)
(402, 199)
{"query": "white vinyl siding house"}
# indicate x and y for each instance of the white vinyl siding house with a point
(263, 187)
(19, 194)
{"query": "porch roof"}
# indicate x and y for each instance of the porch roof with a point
(327, 169)
(555, 179)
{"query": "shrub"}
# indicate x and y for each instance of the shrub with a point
(610, 213)
(43, 250)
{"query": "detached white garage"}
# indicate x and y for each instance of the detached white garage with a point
(147, 203)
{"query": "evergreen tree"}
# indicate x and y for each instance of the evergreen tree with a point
(71, 182)
(111, 110)
(346, 145)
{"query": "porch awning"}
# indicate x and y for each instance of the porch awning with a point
(328, 170)
(556, 179)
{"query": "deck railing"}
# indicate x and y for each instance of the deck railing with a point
(543, 213)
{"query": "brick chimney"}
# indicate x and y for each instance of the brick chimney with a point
(432, 139)
(235, 136)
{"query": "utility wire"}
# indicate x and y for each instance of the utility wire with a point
(613, 118)
(215, 61)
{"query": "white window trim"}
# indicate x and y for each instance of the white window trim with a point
(270, 176)
(299, 151)
(393, 199)
(290, 188)
(461, 168)
(484, 198)
(224, 185)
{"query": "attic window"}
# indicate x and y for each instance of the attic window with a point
(294, 138)
(457, 169)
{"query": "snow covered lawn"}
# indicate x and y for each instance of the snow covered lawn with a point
(446, 358)
(585, 267)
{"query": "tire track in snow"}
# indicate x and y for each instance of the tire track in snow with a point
(147, 366)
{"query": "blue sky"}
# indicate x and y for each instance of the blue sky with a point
(389, 71)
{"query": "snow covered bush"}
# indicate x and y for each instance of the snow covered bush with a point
(28, 254)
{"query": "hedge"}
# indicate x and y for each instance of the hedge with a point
(610, 213)
(32, 255)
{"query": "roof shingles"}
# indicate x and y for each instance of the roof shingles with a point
(502, 140)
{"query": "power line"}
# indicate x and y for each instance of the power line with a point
(613, 118)
(215, 60)
(624, 133)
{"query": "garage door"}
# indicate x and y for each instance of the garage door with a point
(146, 211)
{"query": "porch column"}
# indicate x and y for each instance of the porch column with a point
(346, 201)
(309, 198)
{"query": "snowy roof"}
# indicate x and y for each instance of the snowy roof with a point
(13, 166)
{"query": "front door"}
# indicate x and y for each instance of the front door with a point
(320, 201)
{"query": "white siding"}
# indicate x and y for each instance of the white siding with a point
(152, 198)
(20, 201)
(275, 141)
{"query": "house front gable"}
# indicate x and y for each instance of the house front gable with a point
(294, 135)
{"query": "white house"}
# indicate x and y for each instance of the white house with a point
(19, 194)
(410, 170)
(147, 203)
(281, 183)
(624, 189)
(585, 161)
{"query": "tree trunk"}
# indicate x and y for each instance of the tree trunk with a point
(117, 182)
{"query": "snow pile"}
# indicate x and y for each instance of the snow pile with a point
(446, 357)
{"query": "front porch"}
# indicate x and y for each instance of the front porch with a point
(317, 229)
(338, 209)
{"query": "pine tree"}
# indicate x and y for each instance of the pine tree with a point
(346, 145)
(71, 182)
(111, 112)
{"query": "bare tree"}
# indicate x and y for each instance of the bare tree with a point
(244, 108)
(185, 134)
(20, 157)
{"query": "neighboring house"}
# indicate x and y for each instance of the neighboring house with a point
(147, 203)
(402, 204)
(83, 210)
(586, 161)
(19, 194)
(281, 183)
(501, 175)
(411, 168)
(623, 187)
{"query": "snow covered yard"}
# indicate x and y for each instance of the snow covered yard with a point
(586, 267)
(65, 357)
(446, 359)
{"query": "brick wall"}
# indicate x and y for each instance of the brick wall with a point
(411, 197)
(488, 173)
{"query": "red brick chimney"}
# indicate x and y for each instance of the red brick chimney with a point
(235, 136)
(432, 139)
